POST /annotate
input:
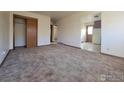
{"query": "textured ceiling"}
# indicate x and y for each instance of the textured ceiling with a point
(55, 15)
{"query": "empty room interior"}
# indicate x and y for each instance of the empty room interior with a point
(61, 46)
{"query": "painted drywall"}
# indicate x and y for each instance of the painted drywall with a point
(113, 33)
(43, 27)
(96, 39)
(71, 29)
(4, 35)
(20, 32)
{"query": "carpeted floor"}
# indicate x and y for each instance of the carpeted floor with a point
(60, 63)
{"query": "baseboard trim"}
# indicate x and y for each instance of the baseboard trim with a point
(4, 59)
(20, 46)
(69, 45)
(111, 55)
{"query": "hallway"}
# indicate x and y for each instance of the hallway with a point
(91, 47)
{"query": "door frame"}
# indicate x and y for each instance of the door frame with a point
(24, 17)
(51, 33)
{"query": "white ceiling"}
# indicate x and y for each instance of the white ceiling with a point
(55, 15)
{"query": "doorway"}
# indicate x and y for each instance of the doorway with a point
(24, 31)
(53, 34)
(20, 32)
(92, 35)
(89, 33)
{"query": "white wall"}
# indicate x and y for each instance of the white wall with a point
(20, 32)
(43, 27)
(96, 39)
(4, 34)
(71, 29)
(113, 33)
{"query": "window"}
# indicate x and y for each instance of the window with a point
(90, 30)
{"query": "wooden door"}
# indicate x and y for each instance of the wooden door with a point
(31, 33)
(89, 33)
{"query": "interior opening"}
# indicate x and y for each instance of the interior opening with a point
(53, 34)
(92, 35)
(20, 32)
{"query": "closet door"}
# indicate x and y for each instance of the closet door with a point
(31, 33)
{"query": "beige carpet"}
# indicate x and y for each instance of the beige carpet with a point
(60, 63)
